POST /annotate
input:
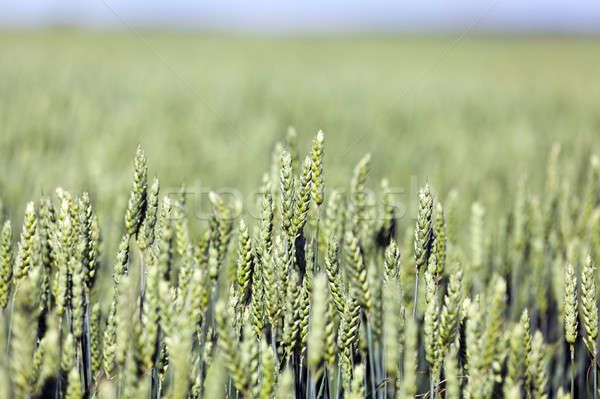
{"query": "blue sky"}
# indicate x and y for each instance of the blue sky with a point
(311, 15)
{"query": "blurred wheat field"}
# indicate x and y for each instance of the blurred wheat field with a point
(454, 110)
(480, 154)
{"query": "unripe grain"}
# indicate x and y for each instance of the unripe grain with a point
(589, 307)
(134, 214)
(5, 263)
(570, 305)
(24, 251)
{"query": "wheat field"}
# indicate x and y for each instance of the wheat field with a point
(194, 216)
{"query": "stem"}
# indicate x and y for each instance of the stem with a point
(329, 376)
(384, 376)
(572, 371)
(339, 382)
(322, 385)
(10, 320)
(211, 305)
(88, 358)
(69, 319)
(351, 367)
(300, 373)
(379, 372)
(416, 298)
(371, 366)
(431, 387)
(201, 357)
(77, 344)
(595, 376)
(143, 282)
(60, 348)
(274, 345)
(84, 366)
(154, 380)
(437, 377)
(398, 378)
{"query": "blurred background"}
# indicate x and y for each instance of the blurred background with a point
(469, 95)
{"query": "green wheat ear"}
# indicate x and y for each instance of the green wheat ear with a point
(147, 229)
(272, 295)
(121, 265)
(358, 270)
(477, 214)
(286, 179)
(5, 263)
(264, 244)
(110, 337)
(441, 238)
(302, 198)
(244, 260)
(392, 260)
(95, 338)
(136, 205)
(589, 307)
(431, 324)
(90, 235)
(516, 363)
(525, 325)
(335, 216)
(492, 337)
(358, 196)
(290, 313)
(423, 229)
(304, 310)
(318, 186)
(570, 305)
(24, 251)
(47, 219)
(332, 266)
(77, 300)
(450, 316)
